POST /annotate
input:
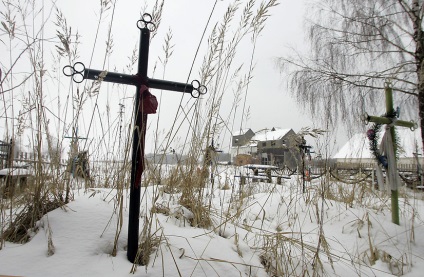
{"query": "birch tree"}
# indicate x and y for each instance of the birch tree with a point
(356, 47)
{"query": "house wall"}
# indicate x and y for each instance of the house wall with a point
(243, 152)
(279, 152)
(242, 139)
(280, 157)
(286, 141)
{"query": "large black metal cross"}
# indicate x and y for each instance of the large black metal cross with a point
(78, 72)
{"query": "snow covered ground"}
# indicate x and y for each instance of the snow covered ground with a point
(343, 230)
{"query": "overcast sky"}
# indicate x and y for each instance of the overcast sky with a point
(268, 97)
(270, 102)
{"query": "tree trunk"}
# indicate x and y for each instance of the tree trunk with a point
(421, 110)
(419, 58)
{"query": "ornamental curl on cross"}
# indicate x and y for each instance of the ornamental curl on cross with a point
(146, 22)
(78, 72)
(146, 104)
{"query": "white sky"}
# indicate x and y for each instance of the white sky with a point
(268, 98)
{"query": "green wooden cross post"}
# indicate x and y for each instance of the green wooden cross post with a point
(391, 120)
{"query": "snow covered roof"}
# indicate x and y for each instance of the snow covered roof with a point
(270, 135)
(241, 132)
(358, 146)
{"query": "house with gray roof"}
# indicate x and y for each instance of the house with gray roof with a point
(274, 146)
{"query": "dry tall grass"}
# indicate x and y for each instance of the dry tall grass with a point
(186, 191)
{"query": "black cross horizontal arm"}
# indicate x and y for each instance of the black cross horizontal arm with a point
(127, 79)
(78, 73)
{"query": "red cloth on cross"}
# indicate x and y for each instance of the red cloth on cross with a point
(149, 103)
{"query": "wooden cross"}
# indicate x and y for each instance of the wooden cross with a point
(74, 141)
(78, 72)
(304, 150)
(391, 121)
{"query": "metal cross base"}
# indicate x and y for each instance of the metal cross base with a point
(78, 72)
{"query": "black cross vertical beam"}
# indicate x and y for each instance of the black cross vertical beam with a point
(137, 161)
(78, 72)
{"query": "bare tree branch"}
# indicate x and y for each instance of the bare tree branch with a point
(356, 47)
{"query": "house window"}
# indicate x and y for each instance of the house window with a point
(273, 143)
(263, 144)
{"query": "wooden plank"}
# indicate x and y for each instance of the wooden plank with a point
(260, 166)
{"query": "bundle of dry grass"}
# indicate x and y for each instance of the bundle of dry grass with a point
(24, 223)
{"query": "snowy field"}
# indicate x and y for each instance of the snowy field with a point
(260, 229)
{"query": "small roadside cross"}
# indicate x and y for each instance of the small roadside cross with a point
(390, 120)
(145, 103)
(74, 141)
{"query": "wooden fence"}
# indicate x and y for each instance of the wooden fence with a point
(403, 167)
(27, 157)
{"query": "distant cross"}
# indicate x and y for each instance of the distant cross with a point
(210, 154)
(76, 156)
(305, 150)
(390, 120)
(74, 141)
(78, 72)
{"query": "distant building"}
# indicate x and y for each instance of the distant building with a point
(271, 147)
(242, 137)
(242, 147)
(356, 152)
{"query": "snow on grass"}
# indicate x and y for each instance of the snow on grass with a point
(258, 227)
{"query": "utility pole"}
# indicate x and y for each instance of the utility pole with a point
(390, 120)
(78, 72)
